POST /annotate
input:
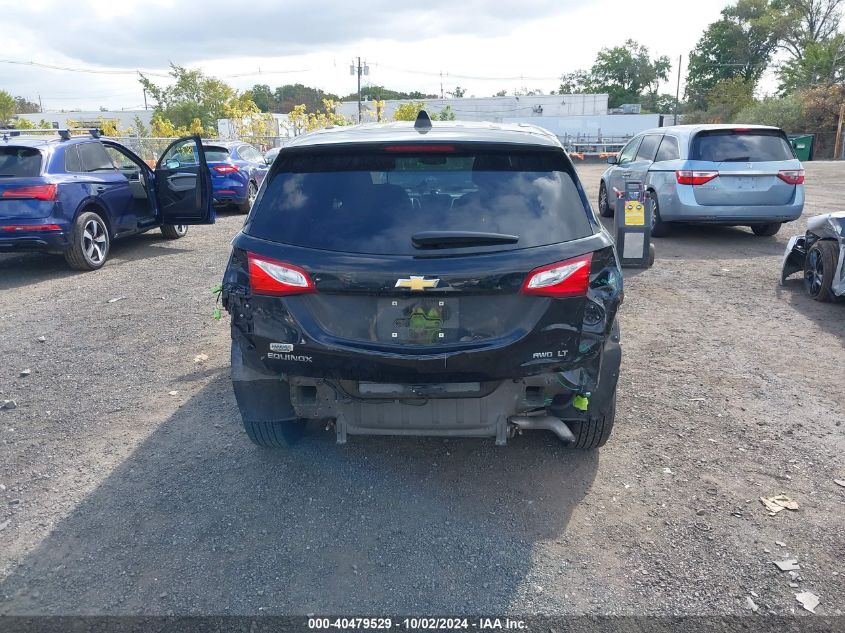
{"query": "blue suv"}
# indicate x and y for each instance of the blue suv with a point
(73, 195)
(237, 171)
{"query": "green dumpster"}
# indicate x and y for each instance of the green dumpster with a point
(803, 146)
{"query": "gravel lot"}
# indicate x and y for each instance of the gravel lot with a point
(119, 497)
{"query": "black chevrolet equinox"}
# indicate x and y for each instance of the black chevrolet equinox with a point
(443, 278)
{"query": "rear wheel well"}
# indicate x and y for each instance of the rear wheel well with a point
(92, 207)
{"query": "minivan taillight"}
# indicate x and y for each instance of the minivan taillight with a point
(32, 192)
(270, 277)
(691, 177)
(225, 169)
(569, 278)
(792, 176)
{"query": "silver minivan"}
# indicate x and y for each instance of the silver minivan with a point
(735, 175)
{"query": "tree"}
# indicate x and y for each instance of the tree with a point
(727, 98)
(574, 83)
(192, 96)
(458, 92)
(740, 44)
(304, 121)
(7, 107)
(627, 72)
(247, 119)
(408, 111)
(501, 93)
(820, 63)
(25, 106)
(782, 112)
(806, 22)
(446, 114)
(820, 113)
(262, 96)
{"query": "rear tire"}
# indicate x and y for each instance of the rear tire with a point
(605, 210)
(659, 228)
(251, 193)
(819, 268)
(274, 433)
(174, 231)
(89, 243)
(593, 433)
(766, 230)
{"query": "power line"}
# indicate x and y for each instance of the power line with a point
(462, 76)
(93, 71)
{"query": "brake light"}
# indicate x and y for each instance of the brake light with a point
(32, 192)
(225, 169)
(792, 176)
(690, 177)
(270, 277)
(31, 227)
(568, 278)
(427, 147)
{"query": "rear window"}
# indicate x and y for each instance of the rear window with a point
(20, 162)
(746, 146)
(216, 154)
(375, 201)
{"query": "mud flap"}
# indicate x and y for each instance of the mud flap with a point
(793, 257)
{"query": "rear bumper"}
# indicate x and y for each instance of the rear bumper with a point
(38, 241)
(485, 414)
(229, 191)
(684, 208)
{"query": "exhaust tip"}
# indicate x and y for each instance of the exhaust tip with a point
(544, 423)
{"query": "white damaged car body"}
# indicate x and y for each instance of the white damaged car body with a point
(820, 255)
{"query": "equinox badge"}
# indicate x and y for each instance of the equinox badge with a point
(417, 283)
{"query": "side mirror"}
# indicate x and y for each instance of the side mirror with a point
(612, 160)
(268, 161)
(172, 164)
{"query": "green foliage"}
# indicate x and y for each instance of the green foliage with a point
(7, 106)
(25, 106)
(446, 114)
(626, 72)
(574, 83)
(802, 23)
(380, 92)
(738, 45)
(408, 111)
(782, 112)
(193, 96)
(821, 63)
(458, 92)
(304, 121)
(285, 98)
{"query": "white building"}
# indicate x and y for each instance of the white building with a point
(493, 109)
(90, 118)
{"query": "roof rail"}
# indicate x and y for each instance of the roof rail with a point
(64, 133)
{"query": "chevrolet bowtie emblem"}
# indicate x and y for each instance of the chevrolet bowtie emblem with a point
(417, 283)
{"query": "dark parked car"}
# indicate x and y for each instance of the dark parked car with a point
(73, 195)
(237, 171)
(415, 280)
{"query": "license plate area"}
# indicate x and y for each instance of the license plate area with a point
(746, 183)
(418, 321)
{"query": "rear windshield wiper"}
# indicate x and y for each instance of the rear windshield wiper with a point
(460, 239)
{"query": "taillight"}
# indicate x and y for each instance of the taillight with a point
(32, 192)
(225, 169)
(421, 148)
(792, 176)
(690, 177)
(270, 277)
(31, 227)
(568, 278)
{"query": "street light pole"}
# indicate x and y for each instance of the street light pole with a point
(678, 90)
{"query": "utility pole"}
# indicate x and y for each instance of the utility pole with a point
(441, 84)
(145, 98)
(40, 107)
(360, 70)
(678, 91)
(837, 148)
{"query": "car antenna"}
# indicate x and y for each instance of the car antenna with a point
(423, 122)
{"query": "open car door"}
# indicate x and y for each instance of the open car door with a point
(183, 184)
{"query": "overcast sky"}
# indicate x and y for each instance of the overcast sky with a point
(482, 46)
